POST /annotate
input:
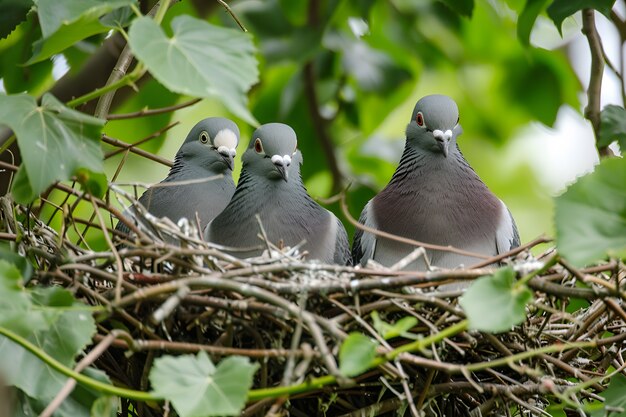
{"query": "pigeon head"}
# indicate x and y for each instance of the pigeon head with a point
(212, 142)
(273, 152)
(434, 125)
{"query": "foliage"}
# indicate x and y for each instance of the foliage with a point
(52, 320)
(55, 143)
(356, 354)
(345, 75)
(614, 400)
(498, 292)
(613, 127)
(590, 216)
(198, 388)
(185, 64)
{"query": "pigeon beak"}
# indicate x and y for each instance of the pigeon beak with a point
(282, 170)
(228, 156)
(282, 163)
(443, 140)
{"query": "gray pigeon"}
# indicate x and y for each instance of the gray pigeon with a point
(435, 197)
(270, 186)
(208, 151)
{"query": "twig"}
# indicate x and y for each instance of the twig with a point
(594, 91)
(85, 362)
(129, 147)
(140, 152)
(320, 127)
(152, 112)
(232, 14)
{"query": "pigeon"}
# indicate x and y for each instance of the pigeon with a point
(435, 197)
(271, 187)
(200, 182)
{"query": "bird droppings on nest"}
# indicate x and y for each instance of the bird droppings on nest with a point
(292, 316)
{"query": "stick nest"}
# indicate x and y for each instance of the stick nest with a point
(174, 294)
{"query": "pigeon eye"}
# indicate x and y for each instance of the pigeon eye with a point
(258, 146)
(204, 137)
(419, 119)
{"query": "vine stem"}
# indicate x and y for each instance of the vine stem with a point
(314, 383)
(85, 380)
(122, 82)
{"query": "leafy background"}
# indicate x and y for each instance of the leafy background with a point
(345, 75)
(368, 62)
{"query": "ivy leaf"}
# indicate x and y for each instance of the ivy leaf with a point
(356, 354)
(67, 22)
(16, 311)
(614, 398)
(612, 126)
(104, 407)
(197, 388)
(53, 13)
(51, 319)
(199, 59)
(462, 7)
(23, 264)
(63, 38)
(561, 9)
(12, 13)
(55, 142)
(526, 19)
(495, 293)
(590, 217)
(389, 331)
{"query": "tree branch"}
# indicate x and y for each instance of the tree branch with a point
(320, 125)
(594, 91)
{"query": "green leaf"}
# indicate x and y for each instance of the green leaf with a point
(53, 13)
(462, 7)
(590, 217)
(55, 141)
(356, 354)
(389, 331)
(95, 183)
(561, 9)
(200, 60)
(197, 388)
(16, 310)
(63, 338)
(21, 188)
(104, 407)
(14, 51)
(64, 37)
(496, 293)
(23, 265)
(118, 18)
(12, 13)
(614, 398)
(612, 126)
(526, 19)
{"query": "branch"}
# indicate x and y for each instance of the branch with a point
(320, 126)
(594, 91)
(152, 112)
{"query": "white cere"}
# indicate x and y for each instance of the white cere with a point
(223, 150)
(442, 135)
(284, 160)
(226, 138)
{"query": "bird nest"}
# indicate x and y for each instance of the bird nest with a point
(172, 293)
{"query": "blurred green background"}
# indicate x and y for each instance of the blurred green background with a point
(350, 72)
